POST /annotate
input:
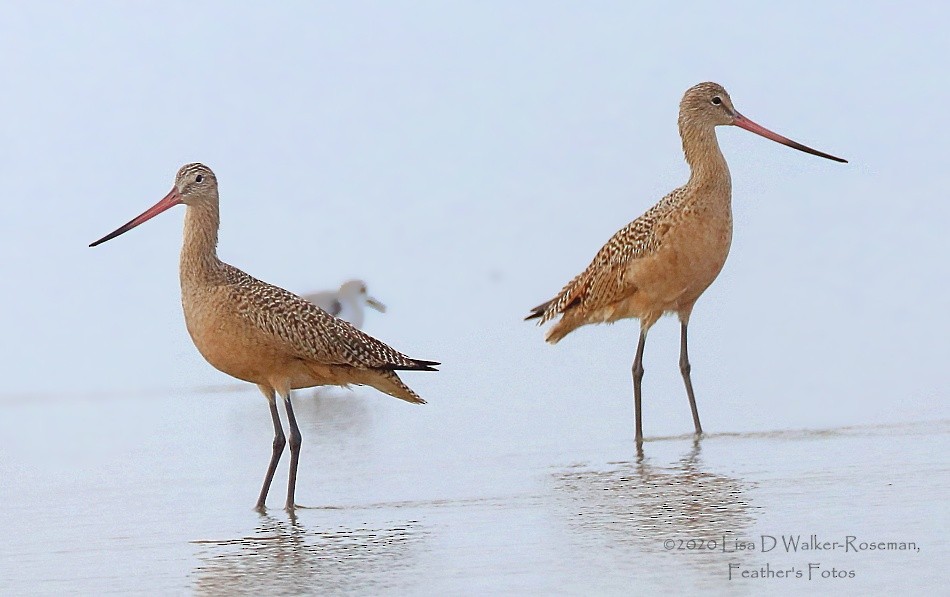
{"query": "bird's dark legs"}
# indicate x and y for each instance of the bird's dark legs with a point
(685, 369)
(278, 449)
(637, 378)
(294, 442)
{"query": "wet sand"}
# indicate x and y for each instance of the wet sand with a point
(153, 493)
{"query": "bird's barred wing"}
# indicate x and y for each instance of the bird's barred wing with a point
(604, 281)
(310, 332)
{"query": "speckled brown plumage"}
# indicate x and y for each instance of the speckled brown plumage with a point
(604, 282)
(263, 334)
(665, 259)
(308, 330)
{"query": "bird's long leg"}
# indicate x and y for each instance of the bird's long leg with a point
(685, 369)
(278, 447)
(637, 379)
(294, 441)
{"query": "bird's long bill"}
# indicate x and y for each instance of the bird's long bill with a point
(375, 304)
(172, 199)
(743, 122)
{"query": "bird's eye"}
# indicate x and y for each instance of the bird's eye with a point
(199, 178)
(716, 100)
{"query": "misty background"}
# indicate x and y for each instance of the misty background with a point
(467, 160)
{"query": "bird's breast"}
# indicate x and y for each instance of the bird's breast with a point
(228, 340)
(701, 244)
(692, 251)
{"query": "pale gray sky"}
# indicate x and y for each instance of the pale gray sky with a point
(467, 159)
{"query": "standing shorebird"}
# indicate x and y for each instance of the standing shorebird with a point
(261, 333)
(664, 260)
(348, 303)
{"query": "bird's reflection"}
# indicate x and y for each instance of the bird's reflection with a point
(644, 507)
(334, 413)
(282, 557)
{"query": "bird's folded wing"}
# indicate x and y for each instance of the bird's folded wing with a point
(313, 334)
(604, 281)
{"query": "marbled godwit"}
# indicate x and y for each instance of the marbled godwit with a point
(664, 260)
(261, 333)
(348, 303)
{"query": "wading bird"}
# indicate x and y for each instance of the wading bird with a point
(664, 260)
(263, 334)
(348, 303)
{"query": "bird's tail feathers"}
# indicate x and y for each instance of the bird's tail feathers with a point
(538, 311)
(388, 382)
(416, 365)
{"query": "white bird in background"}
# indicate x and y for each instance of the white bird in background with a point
(347, 303)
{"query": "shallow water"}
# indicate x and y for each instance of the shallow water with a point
(152, 493)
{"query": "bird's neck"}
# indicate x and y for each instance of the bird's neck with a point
(199, 251)
(708, 169)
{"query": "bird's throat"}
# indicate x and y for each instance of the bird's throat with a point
(199, 251)
(706, 163)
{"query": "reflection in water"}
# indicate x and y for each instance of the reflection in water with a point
(640, 506)
(282, 557)
(331, 415)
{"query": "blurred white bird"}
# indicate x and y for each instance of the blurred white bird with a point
(347, 303)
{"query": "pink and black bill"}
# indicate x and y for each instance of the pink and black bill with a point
(172, 199)
(743, 122)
